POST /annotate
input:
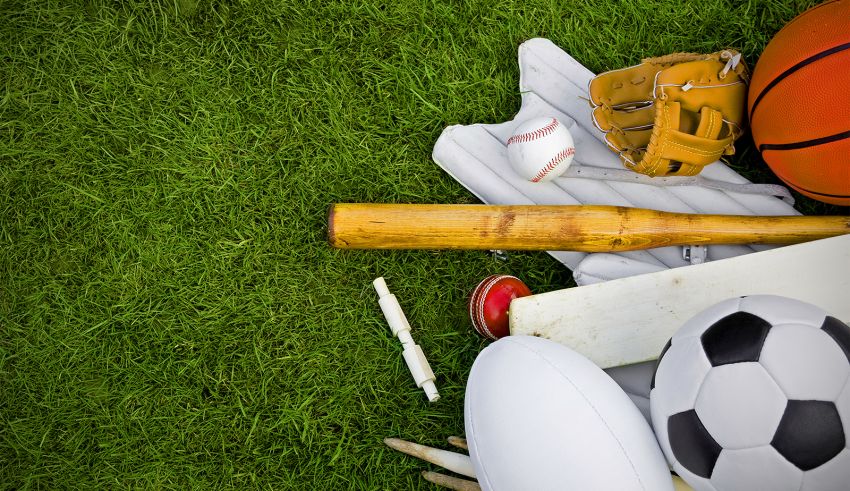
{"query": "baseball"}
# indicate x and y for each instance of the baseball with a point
(541, 149)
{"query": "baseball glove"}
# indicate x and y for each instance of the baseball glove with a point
(675, 114)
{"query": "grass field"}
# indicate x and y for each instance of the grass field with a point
(171, 315)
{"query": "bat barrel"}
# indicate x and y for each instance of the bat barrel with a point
(573, 228)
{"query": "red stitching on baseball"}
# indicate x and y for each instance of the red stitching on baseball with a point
(554, 163)
(533, 135)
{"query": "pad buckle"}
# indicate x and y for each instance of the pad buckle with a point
(695, 254)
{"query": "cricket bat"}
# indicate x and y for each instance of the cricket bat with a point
(629, 320)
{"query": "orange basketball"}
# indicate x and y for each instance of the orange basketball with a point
(799, 103)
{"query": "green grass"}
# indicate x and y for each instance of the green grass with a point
(171, 315)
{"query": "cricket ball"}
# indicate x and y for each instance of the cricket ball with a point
(489, 303)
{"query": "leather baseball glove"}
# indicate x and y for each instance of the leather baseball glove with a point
(675, 114)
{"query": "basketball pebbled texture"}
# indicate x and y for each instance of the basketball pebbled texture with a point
(799, 99)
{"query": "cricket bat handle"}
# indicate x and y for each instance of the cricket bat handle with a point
(553, 228)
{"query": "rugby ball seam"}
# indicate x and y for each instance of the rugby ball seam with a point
(518, 341)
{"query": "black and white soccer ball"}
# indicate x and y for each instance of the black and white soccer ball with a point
(753, 394)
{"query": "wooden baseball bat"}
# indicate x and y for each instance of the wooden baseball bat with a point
(549, 228)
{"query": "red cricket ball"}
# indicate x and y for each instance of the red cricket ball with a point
(489, 303)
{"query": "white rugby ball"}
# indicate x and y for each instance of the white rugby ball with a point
(540, 416)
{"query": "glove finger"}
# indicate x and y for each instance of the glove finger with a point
(700, 83)
(607, 119)
(626, 86)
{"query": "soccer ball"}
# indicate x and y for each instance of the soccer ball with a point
(753, 393)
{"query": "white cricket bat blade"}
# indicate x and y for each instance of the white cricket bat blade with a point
(629, 320)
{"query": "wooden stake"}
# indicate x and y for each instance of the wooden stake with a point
(450, 482)
(458, 442)
(452, 461)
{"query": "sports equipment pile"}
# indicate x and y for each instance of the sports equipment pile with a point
(751, 390)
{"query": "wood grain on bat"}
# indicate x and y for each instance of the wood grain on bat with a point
(574, 228)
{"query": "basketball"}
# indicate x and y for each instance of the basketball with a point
(799, 103)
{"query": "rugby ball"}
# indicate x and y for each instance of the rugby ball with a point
(540, 416)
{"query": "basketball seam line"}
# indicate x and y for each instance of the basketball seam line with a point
(798, 66)
(802, 189)
(805, 144)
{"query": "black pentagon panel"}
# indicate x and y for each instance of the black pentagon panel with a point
(809, 434)
(736, 338)
(692, 445)
(840, 332)
(658, 362)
